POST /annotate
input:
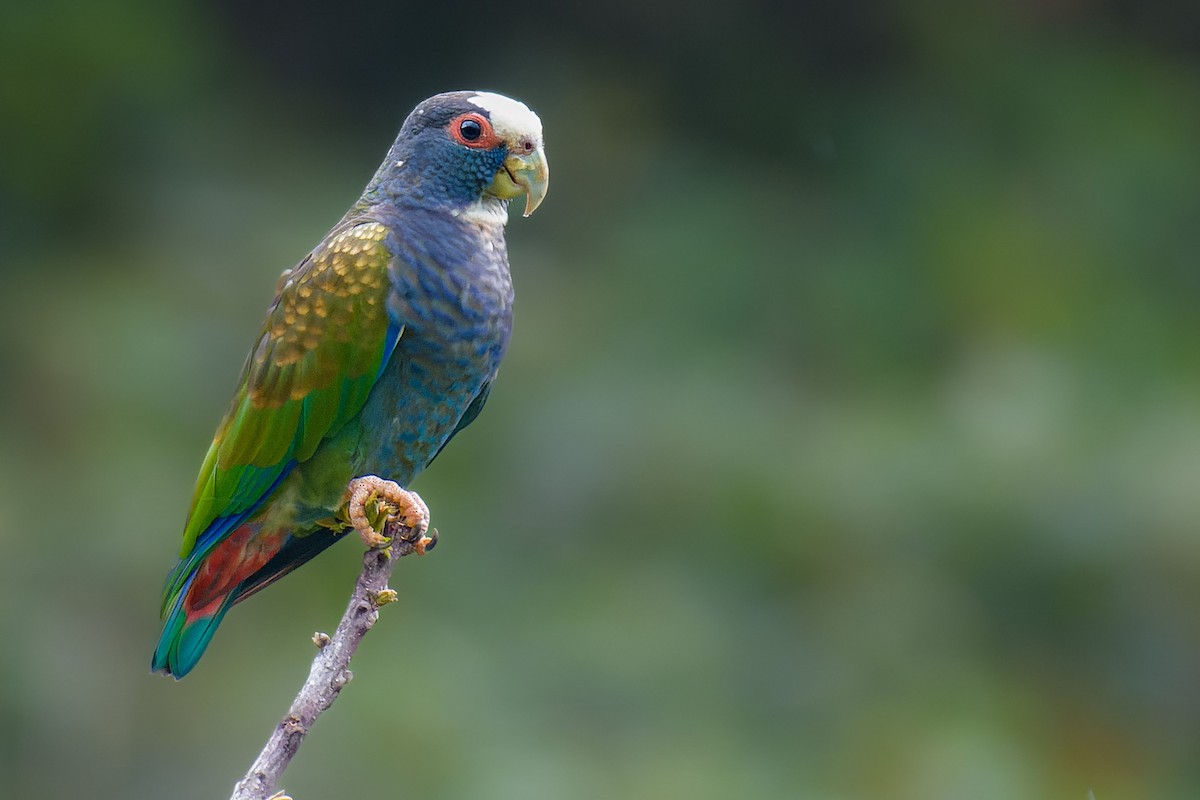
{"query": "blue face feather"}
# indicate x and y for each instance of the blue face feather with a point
(456, 173)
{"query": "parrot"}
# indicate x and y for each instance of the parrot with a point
(380, 346)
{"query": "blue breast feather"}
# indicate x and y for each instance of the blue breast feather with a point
(452, 292)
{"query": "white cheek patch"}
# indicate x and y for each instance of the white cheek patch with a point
(512, 119)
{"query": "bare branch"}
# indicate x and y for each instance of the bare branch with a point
(385, 502)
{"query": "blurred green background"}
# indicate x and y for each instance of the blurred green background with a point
(848, 445)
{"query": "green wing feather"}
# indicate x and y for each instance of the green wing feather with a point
(325, 339)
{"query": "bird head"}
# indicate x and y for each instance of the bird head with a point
(461, 149)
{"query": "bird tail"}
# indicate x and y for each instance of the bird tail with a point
(187, 632)
(214, 583)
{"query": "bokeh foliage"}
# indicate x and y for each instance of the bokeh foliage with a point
(848, 445)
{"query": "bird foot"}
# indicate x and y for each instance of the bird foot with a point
(374, 504)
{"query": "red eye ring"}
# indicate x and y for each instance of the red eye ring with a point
(473, 130)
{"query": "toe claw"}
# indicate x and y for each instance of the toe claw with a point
(426, 542)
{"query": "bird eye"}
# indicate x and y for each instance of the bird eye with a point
(473, 130)
(470, 130)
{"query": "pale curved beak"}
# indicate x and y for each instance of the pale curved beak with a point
(527, 174)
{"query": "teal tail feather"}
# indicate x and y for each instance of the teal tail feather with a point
(218, 581)
(185, 635)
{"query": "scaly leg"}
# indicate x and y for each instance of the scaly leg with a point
(392, 505)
